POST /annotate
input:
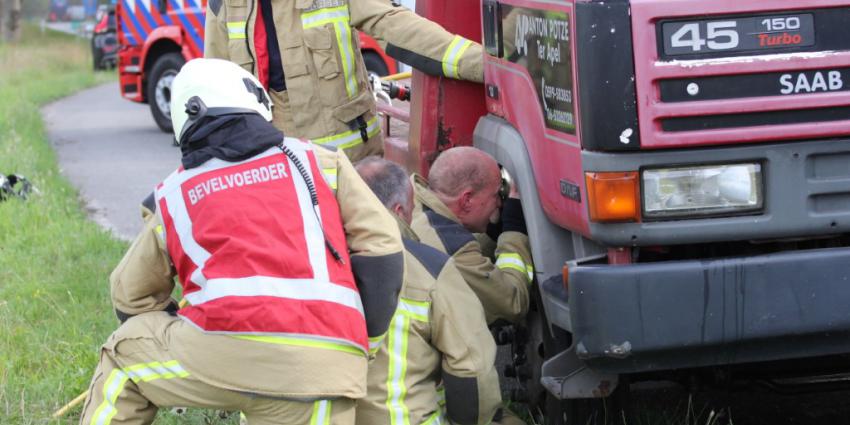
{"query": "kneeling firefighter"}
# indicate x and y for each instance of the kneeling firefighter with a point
(288, 261)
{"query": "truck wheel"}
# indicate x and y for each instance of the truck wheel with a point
(540, 346)
(97, 56)
(159, 88)
(375, 64)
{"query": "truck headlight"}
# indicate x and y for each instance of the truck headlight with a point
(702, 190)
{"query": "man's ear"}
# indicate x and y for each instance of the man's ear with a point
(398, 210)
(465, 200)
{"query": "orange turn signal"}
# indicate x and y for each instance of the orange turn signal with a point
(613, 196)
(565, 274)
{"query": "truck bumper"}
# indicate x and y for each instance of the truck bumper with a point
(667, 315)
(130, 74)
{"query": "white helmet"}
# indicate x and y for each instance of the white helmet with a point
(214, 87)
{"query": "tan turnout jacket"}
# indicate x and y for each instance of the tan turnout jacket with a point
(502, 286)
(438, 340)
(144, 280)
(327, 86)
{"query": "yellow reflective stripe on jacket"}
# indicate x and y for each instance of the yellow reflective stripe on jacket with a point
(160, 232)
(416, 310)
(375, 343)
(397, 353)
(350, 138)
(346, 48)
(303, 341)
(111, 388)
(114, 384)
(435, 419)
(397, 342)
(509, 260)
(330, 176)
(338, 16)
(236, 30)
(155, 370)
(317, 18)
(453, 54)
(321, 413)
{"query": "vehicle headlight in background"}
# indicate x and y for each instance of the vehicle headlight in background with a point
(702, 190)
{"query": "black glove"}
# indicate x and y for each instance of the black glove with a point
(494, 230)
(512, 217)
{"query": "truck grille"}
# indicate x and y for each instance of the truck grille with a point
(740, 96)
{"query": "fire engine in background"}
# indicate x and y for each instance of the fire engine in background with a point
(158, 36)
(685, 176)
(58, 11)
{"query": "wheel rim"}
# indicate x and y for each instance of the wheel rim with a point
(162, 93)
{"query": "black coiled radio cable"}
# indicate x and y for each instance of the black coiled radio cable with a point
(314, 197)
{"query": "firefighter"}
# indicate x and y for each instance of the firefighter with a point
(306, 53)
(285, 256)
(462, 195)
(438, 333)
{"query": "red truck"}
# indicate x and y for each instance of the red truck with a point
(157, 37)
(684, 168)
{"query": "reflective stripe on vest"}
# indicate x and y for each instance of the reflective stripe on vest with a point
(236, 30)
(307, 341)
(199, 256)
(350, 138)
(114, 384)
(510, 260)
(177, 208)
(397, 344)
(263, 286)
(338, 16)
(453, 54)
(324, 287)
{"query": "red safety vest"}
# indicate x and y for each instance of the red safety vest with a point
(249, 249)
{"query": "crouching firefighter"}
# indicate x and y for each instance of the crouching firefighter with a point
(437, 364)
(283, 268)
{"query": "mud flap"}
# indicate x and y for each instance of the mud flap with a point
(568, 377)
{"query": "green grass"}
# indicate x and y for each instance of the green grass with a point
(54, 263)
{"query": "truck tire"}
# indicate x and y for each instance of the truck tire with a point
(96, 55)
(545, 408)
(159, 88)
(375, 64)
(539, 347)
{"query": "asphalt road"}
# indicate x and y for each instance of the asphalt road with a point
(112, 152)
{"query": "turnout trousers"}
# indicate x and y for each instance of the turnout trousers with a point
(137, 375)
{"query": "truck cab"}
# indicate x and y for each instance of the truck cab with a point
(683, 167)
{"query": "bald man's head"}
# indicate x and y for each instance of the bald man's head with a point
(467, 181)
(459, 168)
